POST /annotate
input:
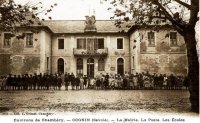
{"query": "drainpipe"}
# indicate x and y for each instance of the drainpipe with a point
(129, 38)
(51, 55)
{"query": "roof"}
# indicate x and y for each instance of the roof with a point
(77, 26)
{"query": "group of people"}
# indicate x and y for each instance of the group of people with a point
(102, 81)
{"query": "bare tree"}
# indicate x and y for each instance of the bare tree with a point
(182, 15)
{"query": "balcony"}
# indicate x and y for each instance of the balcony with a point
(84, 52)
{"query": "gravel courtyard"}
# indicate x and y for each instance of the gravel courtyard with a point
(167, 101)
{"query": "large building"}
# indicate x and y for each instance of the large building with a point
(90, 47)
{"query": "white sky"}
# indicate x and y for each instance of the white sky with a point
(74, 9)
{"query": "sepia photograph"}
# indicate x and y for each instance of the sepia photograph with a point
(99, 61)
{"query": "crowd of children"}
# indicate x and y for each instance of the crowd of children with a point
(102, 81)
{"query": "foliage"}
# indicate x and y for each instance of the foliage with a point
(182, 15)
(13, 15)
(155, 12)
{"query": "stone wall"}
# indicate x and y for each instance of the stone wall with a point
(21, 59)
(162, 57)
(164, 63)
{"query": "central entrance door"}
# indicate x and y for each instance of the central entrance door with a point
(90, 68)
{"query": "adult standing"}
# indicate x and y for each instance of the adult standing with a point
(72, 80)
(59, 82)
(165, 81)
(9, 82)
(186, 82)
(135, 81)
(85, 81)
(173, 81)
(77, 83)
(18, 80)
(81, 83)
(155, 79)
(55, 82)
(66, 81)
(4, 81)
(160, 81)
(140, 81)
(125, 82)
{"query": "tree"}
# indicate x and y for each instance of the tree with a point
(182, 15)
(13, 15)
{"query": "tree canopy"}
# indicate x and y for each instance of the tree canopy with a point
(180, 13)
(12, 14)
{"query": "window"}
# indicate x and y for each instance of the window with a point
(81, 43)
(173, 38)
(7, 39)
(119, 43)
(91, 44)
(100, 42)
(60, 43)
(133, 62)
(151, 38)
(29, 40)
(101, 65)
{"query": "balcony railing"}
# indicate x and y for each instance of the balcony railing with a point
(84, 52)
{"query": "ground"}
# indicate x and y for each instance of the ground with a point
(169, 101)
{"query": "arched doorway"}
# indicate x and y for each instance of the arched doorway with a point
(60, 65)
(79, 67)
(90, 67)
(120, 66)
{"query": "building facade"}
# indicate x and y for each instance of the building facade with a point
(91, 47)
